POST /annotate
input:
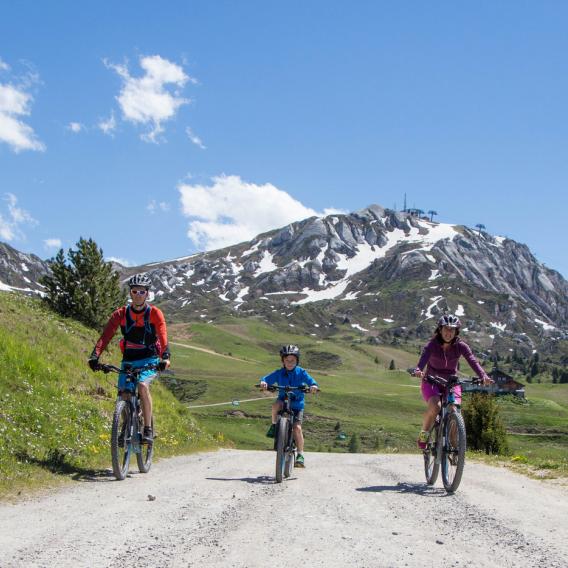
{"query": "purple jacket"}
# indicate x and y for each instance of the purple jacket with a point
(445, 363)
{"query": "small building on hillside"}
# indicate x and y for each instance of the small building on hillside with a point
(504, 384)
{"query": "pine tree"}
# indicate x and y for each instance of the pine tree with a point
(84, 287)
(484, 427)
(354, 444)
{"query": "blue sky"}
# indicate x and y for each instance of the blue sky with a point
(162, 130)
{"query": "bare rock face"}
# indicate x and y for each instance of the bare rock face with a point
(373, 268)
(21, 272)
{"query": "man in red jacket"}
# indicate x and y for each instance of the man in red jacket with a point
(144, 342)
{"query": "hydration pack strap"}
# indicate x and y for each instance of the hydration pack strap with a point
(130, 323)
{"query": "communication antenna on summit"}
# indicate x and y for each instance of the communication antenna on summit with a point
(404, 203)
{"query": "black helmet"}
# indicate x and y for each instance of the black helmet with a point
(139, 280)
(290, 350)
(449, 321)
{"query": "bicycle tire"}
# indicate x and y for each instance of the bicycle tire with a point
(281, 443)
(144, 457)
(453, 458)
(120, 451)
(290, 459)
(431, 467)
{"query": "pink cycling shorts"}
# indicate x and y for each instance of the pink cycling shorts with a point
(429, 390)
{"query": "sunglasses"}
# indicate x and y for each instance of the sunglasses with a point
(139, 292)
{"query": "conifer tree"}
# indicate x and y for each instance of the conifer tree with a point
(484, 426)
(354, 444)
(83, 286)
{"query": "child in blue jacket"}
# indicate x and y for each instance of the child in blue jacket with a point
(290, 374)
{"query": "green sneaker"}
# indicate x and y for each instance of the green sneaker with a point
(422, 439)
(271, 431)
(299, 461)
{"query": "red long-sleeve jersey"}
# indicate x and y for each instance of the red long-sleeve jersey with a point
(144, 334)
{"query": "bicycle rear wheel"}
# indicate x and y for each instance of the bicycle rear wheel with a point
(281, 443)
(120, 443)
(144, 457)
(431, 468)
(453, 452)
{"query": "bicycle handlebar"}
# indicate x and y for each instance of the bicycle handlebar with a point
(451, 381)
(275, 387)
(131, 373)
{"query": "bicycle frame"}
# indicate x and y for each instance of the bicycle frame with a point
(126, 435)
(447, 398)
(284, 442)
(286, 413)
(447, 437)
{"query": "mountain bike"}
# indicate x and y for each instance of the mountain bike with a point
(446, 442)
(284, 442)
(128, 424)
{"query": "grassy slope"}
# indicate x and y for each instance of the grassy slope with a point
(54, 412)
(383, 407)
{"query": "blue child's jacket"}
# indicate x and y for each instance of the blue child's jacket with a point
(293, 378)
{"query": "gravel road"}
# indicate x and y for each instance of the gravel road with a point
(223, 508)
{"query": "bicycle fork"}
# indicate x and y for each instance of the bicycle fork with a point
(134, 434)
(440, 442)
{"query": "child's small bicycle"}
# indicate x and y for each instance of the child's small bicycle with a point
(284, 442)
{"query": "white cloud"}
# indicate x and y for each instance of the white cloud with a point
(52, 243)
(231, 210)
(75, 127)
(194, 138)
(108, 126)
(10, 224)
(154, 206)
(15, 103)
(145, 100)
(4, 66)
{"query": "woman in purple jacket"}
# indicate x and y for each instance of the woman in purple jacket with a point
(441, 356)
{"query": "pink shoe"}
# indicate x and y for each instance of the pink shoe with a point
(422, 440)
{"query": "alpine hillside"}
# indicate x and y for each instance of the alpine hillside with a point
(385, 274)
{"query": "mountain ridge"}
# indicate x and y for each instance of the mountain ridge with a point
(385, 273)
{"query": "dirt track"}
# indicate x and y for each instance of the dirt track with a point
(223, 509)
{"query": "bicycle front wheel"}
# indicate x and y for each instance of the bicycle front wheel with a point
(290, 459)
(431, 468)
(144, 457)
(453, 452)
(120, 443)
(281, 443)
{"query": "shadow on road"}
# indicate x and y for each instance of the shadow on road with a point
(56, 463)
(414, 488)
(262, 479)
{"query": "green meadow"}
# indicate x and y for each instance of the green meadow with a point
(359, 395)
(55, 414)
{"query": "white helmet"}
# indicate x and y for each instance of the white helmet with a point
(139, 280)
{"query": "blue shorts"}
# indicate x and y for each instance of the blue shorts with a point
(145, 377)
